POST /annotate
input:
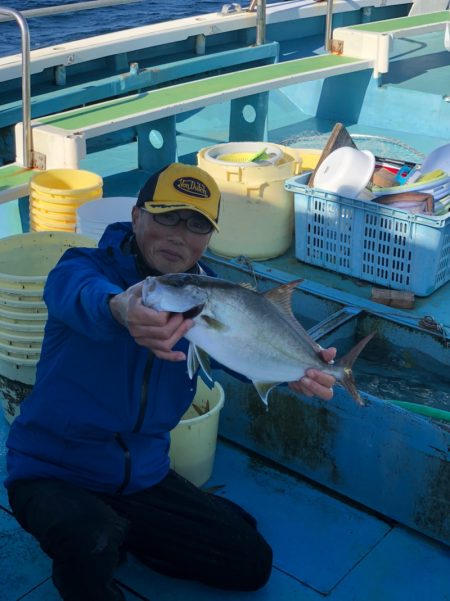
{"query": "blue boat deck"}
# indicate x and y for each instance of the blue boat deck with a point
(324, 547)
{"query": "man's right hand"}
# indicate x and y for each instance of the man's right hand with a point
(156, 330)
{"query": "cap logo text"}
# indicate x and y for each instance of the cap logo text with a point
(192, 187)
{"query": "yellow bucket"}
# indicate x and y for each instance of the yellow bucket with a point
(21, 327)
(56, 194)
(54, 207)
(26, 259)
(56, 216)
(66, 185)
(52, 222)
(40, 227)
(193, 441)
(310, 157)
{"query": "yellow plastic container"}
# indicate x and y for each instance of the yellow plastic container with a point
(310, 157)
(194, 440)
(37, 226)
(66, 186)
(256, 213)
(28, 326)
(26, 259)
(21, 336)
(20, 348)
(19, 314)
(59, 191)
(47, 216)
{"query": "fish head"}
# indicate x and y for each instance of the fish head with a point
(174, 292)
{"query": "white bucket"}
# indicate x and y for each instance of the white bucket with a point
(93, 217)
(193, 441)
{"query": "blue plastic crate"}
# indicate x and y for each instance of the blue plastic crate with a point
(383, 245)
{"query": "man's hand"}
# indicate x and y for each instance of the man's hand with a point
(316, 382)
(156, 330)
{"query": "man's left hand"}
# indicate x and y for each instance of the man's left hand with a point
(315, 382)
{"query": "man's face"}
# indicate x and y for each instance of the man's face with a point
(168, 249)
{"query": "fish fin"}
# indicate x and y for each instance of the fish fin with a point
(280, 297)
(346, 362)
(213, 323)
(197, 358)
(203, 361)
(192, 361)
(264, 388)
(248, 286)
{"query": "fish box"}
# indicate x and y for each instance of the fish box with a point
(365, 240)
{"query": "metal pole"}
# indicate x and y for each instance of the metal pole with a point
(328, 25)
(26, 86)
(260, 22)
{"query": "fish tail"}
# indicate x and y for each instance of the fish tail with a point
(347, 380)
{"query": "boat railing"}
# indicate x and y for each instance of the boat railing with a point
(26, 85)
(260, 7)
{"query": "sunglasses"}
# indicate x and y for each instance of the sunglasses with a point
(195, 223)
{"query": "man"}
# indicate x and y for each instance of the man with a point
(88, 458)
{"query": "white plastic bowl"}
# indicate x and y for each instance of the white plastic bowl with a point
(346, 171)
(439, 158)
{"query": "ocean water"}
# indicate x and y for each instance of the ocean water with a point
(57, 29)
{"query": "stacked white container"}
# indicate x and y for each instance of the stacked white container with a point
(94, 216)
(25, 260)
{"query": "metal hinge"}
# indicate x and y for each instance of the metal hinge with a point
(336, 46)
(38, 160)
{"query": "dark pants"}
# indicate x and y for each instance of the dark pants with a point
(173, 527)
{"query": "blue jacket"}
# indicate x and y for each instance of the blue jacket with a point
(102, 406)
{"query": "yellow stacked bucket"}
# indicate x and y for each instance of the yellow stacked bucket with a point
(56, 194)
(25, 260)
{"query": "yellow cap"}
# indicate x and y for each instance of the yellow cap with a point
(178, 187)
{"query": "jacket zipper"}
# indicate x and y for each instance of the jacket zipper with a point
(138, 425)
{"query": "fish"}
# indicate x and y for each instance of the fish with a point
(254, 334)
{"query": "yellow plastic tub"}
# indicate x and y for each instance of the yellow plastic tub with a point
(193, 441)
(43, 224)
(19, 314)
(19, 355)
(21, 337)
(57, 207)
(66, 185)
(37, 226)
(44, 216)
(256, 213)
(16, 298)
(59, 192)
(310, 157)
(21, 348)
(22, 325)
(26, 259)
